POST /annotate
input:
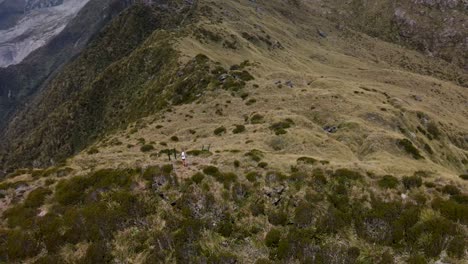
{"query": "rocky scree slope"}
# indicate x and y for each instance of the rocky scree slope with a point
(28, 25)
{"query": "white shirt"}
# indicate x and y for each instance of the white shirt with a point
(183, 155)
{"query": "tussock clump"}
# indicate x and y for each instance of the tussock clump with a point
(238, 129)
(280, 127)
(272, 238)
(255, 154)
(307, 160)
(211, 170)
(451, 189)
(198, 177)
(252, 176)
(147, 148)
(347, 175)
(278, 218)
(219, 131)
(388, 182)
(257, 119)
(408, 146)
(199, 153)
(412, 182)
(93, 151)
(74, 190)
(452, 209)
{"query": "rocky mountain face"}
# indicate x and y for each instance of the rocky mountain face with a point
(21, 81)
(35, 24)
(96, 78)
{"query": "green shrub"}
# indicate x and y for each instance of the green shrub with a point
(12, 185)
(227, 179)
(280, 127)
(452, 209)
(257, 208)
(262, 165)
(251, 101)
(198, 153)
(457, 246)
(93, 151)
(147, 148)
(198, 177)
(451, 189)
(225, 228)
(211, 170)
(236, 163)
(219, 131)
(20, 245)
(255, 155)
(304, 214)
(167, 169)
(388, 182)
(353, 253)
(428, 149)
(150, 173)
(343, 175)
(386, 258)
(107, 178)
(238, 129)
(417, 259)
(272, 238)
(306, 160)
(410, 148)
(433, 130)
(252, 176)
(432, 234)
(20, 215)
(37, 197)
(73, 191)
(243, 75)
(464, 177)
(278, 218)
(244, 95)
(257, 119)
(175, 138)
(460, 198)
(263, 261)
(97, 252)
(430, 184)
(412, 182)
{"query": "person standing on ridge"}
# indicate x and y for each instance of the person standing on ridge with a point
(183, 156)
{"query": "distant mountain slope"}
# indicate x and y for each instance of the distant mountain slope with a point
(27, 27)
(436, 28)
(19, 82)
(97, 91)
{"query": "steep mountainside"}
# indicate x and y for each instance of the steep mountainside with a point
(35, 23)
(307, 142)
(436, 28)
(18, 83)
